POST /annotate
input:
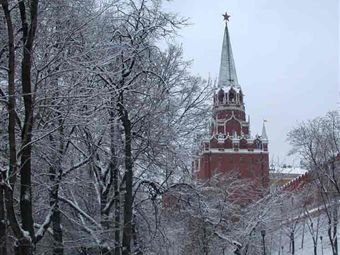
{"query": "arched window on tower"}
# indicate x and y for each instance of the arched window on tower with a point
(234, 132)
(232, 96)
(220, 96)
(258, 144)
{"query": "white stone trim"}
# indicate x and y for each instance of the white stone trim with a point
(231, 108)
(232, 151)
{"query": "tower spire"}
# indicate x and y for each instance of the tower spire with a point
(227, 74)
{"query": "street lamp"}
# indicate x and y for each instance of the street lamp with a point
(263, 234)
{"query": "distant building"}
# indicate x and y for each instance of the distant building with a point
(230, 146)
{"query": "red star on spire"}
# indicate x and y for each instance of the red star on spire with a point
(226, 16)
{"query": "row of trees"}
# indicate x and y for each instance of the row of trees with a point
(317, 142)
(97, 120)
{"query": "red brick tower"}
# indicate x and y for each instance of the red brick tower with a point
(230, 147)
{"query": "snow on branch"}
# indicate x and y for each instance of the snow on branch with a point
(43, 227)
(79, 210)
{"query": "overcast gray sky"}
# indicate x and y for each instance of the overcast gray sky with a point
(286, 54)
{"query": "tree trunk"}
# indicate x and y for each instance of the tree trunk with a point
(128, 199)
(303, 235)
(205, 240)
(335, 229)
(3, 224)
(329, 232)
(332, 230)
(58, 248)
(116, 211)
(104, 220)
(55, 178)
(7, 190)
(26, 210)
(136, 244)
(24, 247)
(292, 241)
(11, 124)
(114, 171)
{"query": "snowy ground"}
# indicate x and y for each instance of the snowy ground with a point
(303, 239)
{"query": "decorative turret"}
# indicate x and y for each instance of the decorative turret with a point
(264, 132)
